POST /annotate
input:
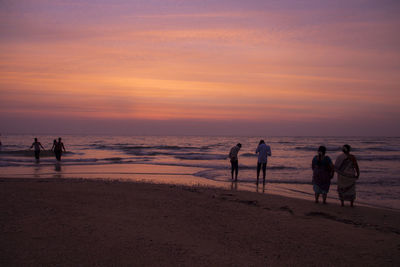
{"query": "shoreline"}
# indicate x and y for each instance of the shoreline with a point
(226, 185)
(292, 190)
(108, 222)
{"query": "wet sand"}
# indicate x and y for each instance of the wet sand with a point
(70, 222)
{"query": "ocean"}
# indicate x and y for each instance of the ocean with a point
(202, 160)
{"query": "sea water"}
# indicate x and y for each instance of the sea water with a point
(204, 160)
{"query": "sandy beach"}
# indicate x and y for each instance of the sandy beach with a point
(77, 222)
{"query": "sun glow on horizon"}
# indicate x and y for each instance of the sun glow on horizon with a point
(254, 62)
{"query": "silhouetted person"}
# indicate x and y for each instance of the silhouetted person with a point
(233, 155)
(323, 171)
(348, 172)
(54, 145)
(263, 151)
(37, 146)
(58, 149)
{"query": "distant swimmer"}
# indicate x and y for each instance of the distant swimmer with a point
(348, 172)
(263, 151)
(233, 156)
(37, 146)
(58, 149)
(323, 172)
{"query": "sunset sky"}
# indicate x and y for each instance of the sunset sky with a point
(252, 67)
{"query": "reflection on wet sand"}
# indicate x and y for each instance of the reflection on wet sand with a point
(263, 188)
(234, 185)
(57, 168)
(36, 171)
(258, 189)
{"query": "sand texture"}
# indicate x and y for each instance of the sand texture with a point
(85, 223)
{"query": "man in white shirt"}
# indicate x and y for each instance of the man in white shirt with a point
(233, 155)
(263, 151)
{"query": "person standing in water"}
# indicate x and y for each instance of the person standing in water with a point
(54, 145)
(348, 172)
(323, 172)
(233, 155)
(263, 151)
(58, 149)
(37, 146)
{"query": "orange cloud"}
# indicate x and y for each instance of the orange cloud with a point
(249, 65)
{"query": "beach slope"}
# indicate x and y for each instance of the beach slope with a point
(88, 222)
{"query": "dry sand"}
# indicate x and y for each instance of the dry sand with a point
(87, 222)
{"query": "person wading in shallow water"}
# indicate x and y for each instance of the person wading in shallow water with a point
(233, 155)
(263, 151)
(58, 149)
(37, 146)
(323, 172)
(348, 172)
(54, 144)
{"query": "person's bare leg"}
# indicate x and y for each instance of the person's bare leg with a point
(236, 173)
(352, 203)
(342, 203)
(258, 171)
(316, 197)
(264, 170)
(324, 198)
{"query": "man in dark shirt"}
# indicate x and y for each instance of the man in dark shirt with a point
(233, 155)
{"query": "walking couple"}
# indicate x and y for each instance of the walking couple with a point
(58, 148)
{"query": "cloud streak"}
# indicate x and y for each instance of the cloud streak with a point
(203, 60)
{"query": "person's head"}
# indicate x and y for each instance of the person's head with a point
(239, 145)
(346, 149)
(35, 139)
(261, 142)
(321, 150)
(55, 141)
(59, 139)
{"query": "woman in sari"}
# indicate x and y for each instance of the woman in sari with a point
(322, 174)
(348, 172)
